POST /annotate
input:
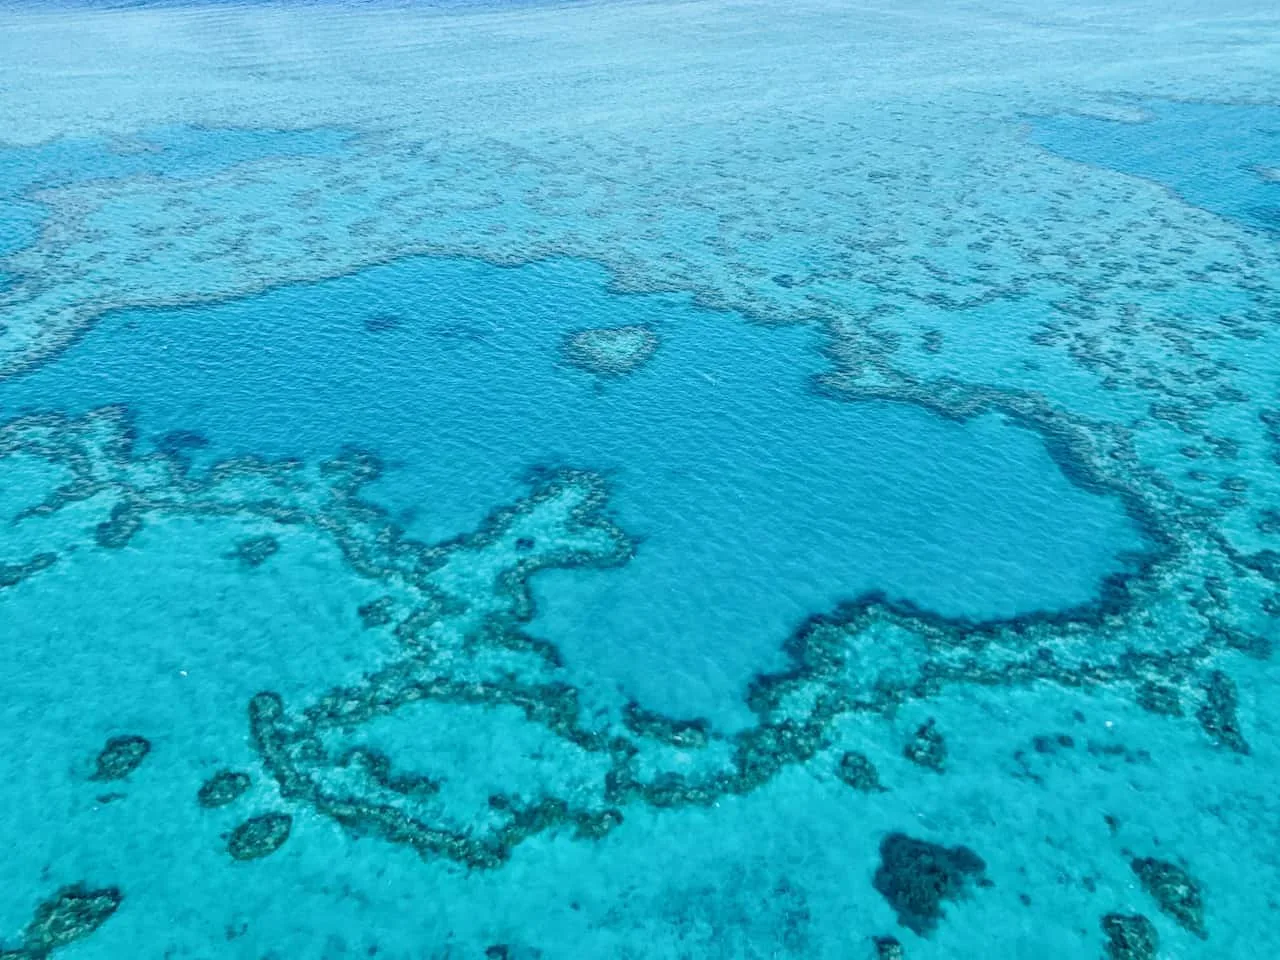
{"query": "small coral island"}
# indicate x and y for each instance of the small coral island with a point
(610, 351)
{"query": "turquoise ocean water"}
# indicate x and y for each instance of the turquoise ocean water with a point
(639, 479)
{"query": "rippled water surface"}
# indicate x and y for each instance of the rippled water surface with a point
(639, 480)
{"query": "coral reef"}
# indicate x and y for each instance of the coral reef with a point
(1137, 329)
(1175, 891)
(610, 351)
(224, 787)
(1160, 698)
(455, 611)
(120, 757)
(857, 770)
(259, 836)
(1218, 712)
(889, 948)
(115, 532)
(69, 915)
(916, 876)
(506, 951)
(377, 613)
(927, 747)
(1130, 937)
(11, 574)
(677, 733)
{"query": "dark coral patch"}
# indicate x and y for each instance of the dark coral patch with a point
(677, 733)
(1159, 698)
(260, 836)
(1130, 937)
(71, 914)
(1174, 889)
(179, 443)
(224, 787)
(255, 551)
(857, 770)
(928, 748)
(120, 757)
(12, 574)
(916, 876)
(889, 948)
(116, 531)
(376, 613)
(1217, 715)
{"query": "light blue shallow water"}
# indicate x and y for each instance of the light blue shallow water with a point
(939, 625)
(176, 151)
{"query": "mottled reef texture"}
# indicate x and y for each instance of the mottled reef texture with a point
(1101, 645)
(120, 757)
(456, 612)
(1175, 891)
(916, 876)
(69, 915)
(857, 770)
(224, 787)
(1130, 937)
(259, 836)
(611, 351)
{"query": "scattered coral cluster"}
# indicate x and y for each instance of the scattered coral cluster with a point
(456, 610)
(1140, 327)
(69, 915)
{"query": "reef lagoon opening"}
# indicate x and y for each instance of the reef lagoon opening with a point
(1221, 157)
(753, 499)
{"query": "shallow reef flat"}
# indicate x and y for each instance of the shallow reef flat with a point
(449, 731)
(639, 480)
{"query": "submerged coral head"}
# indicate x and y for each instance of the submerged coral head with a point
(915, 876)
(611, 350)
